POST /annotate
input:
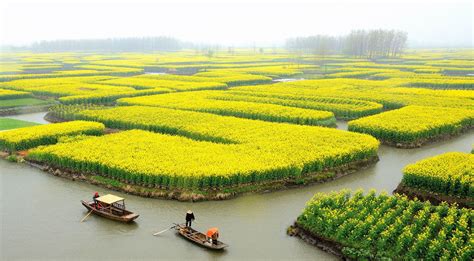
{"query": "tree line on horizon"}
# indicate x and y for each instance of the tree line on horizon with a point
(358, 43)
(129, 44)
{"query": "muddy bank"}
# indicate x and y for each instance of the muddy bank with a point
(203, 195)
(50, 116)
(324, 244)
(433, 197)
(426, 141)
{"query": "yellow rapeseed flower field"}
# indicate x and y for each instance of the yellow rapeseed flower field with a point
(207, 101)
(450, 173)
(210, 150)
(11, 94)
(413, 124)
(29, 137)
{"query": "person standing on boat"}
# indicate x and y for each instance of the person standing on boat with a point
(96, 195)
(214, 237)
(189, 218)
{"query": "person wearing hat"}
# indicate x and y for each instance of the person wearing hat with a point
(189, 218)
(96, 195)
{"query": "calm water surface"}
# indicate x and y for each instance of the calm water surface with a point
(40, 215)
(37, 117)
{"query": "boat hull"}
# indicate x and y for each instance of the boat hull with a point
(128, 217)
(199, 238)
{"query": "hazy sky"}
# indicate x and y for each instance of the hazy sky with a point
(260, 22)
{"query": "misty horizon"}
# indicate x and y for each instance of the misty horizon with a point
(429, 24)
(411, 44)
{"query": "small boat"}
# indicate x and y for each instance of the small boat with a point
(199, 238)
(111, 207)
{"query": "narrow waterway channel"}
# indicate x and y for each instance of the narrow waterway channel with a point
(40, 215)
(37, 117)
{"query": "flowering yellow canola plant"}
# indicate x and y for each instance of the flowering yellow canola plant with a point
(449, 173)
(107, 97)
(270, 71)
(70, 89)
(29, 137)
(383, 92)
(229, 78)
(11, 94)
(414, 123)
(19, 84)
(206, 101)
(210, 150)
(343, 108)
(150, 83)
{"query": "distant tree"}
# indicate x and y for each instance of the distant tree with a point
(358, 43)
(210, 53)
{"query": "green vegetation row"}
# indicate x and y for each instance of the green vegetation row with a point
(109, 98)
(23, 102)
(11, 94)
(229, 78)
(379, 227)
(7, 124)
(381, 92)
(114, 71)
(343, 108)
(202, 102)
(152, 83)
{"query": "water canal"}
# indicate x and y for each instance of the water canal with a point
(40, 215)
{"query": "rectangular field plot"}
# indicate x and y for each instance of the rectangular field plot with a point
(450, 174)
(373, 227)
(413, 126)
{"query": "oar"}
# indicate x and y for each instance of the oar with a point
(84, 218)
(163, 231)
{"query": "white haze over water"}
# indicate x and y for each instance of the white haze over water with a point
(235, 23)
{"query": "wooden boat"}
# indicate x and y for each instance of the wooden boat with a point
(111, 207)
(198, 238)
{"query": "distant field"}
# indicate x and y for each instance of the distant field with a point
(233, 123)
(23, 102)
(8, 124)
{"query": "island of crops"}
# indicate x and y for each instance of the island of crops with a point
(358, 226)
(189, 126)
(447, 177)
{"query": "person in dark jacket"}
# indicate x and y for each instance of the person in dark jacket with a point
(96, 195)
(189, 218)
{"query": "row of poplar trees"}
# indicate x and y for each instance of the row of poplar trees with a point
(359, 43)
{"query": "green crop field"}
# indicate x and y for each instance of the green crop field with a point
(7, 124)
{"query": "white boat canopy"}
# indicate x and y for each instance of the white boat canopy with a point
(109, 199)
